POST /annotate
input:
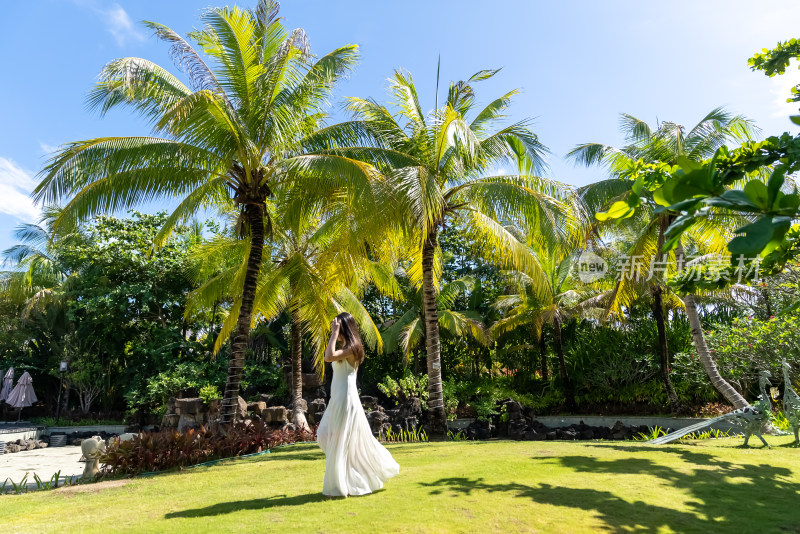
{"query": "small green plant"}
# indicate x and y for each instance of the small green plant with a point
(654, 432)
(209, 392)
(456, 436)
(780, 421)
(414, 435)
(713, 433)
(486, 406)
(21, 487)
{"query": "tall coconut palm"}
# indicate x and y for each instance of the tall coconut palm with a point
(551, 294)
(442, 168)
(249, 119)
(623, 195)
(408, 331)
(314, 269)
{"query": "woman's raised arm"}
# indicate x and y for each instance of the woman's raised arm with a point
(331, 354)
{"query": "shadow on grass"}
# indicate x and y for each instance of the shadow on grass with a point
(253, 504)
(715, 495)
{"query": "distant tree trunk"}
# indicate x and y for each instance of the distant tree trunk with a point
(719, 383)
(543, 354)
(230, 401)
(297, 372)
(663, 349)
(437, 419)
(657, 291)
(569, 393)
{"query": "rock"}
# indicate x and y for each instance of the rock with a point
(483, 429)
(514, 410)
(316, 406)
(586, 434)
(12, 447)
(214, 408)
(311, 381)
(256, 407)
(377, 420)
(276, 414)
(517, 429)
(188, 420)
(532, 435)
(369, 403)
(411, 423)
(189, 406)
(241, 410)
(551, 435)
(384, 429)
(170, 420)
(171, 405)
(569, 434)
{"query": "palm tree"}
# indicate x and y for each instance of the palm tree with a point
(313, 271)
(441, 168)
(407, 332)
(549, 295)
(626, 195)
(250, 120)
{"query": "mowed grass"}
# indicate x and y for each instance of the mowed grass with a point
(500, 486)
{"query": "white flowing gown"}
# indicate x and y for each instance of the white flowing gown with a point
(355, 462)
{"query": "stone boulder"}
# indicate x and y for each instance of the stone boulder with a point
(377, 419)
(191, 406)
(170, 420)
(242, 407)
(369, 403)
(275, 415)
(256, 407)
(311, 381)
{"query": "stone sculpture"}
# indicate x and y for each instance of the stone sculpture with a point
(750, 419)
(791, 403)
(91, 449)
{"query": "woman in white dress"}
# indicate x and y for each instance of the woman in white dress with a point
(355, 462)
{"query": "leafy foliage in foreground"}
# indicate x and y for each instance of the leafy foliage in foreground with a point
(165, 450)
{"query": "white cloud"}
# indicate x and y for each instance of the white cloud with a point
(781, 89)
(15, 187)
(119, 24)
(116, 19)
(47, 149)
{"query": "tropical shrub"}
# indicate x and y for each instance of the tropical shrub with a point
(409, 386)
(749, 345)
(165, 450)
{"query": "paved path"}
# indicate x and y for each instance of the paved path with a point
(43, 462)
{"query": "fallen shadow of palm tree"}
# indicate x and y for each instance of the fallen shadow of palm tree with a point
(723, 496)
(253, 504)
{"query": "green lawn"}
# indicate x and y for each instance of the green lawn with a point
(709, 486)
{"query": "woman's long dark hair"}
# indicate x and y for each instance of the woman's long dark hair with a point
(352, 339)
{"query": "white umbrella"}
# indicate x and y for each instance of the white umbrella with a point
(22, 395)
(8, 383)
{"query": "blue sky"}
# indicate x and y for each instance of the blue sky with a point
(578, 64)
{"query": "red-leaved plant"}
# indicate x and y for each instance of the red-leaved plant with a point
(170, 449)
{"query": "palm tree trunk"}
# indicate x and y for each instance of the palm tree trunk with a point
(543, 354)
(569, 393)
(658, 314)
(297, 372)
(230, 401)
(657, 290)
(437, 418)
(719, 383)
